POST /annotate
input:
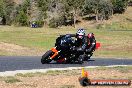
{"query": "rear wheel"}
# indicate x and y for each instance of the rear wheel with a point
(46, 57)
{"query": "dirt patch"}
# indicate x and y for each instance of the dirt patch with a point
(14, 49)
(11, 47)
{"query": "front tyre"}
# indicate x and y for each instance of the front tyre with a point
(46, 57)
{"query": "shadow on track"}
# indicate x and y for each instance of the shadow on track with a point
(53, 62)
(90, 60)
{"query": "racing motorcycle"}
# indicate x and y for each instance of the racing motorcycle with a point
(63, 51)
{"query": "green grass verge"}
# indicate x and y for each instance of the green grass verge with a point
(10, 79)
(121, 69)
(115, 37)
(50, 72)
(113, 43)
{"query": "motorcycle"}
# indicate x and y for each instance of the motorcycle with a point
(63, 51)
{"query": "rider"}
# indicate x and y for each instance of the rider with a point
(81, 40)
(91, 44)
(87, 43)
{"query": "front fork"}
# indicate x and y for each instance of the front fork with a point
(55, 51)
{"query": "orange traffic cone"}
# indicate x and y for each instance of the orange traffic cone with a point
(84, 80)
(84, 73)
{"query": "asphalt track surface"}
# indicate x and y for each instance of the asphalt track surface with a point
(13, 63)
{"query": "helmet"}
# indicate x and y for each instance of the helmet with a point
(90, 35)
(80, 33)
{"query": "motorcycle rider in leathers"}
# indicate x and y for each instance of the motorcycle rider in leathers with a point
(91, 45)
(85, 43)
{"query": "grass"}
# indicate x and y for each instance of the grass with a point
(124, 69)
(11, 79)
(26, 37)
(30, 74)
(115, 37)
(121, 69)
(119, 72)
(62, 72)
(50, 72)
(113, 44)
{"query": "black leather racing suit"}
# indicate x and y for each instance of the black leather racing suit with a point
(81, 43)
(91, 45)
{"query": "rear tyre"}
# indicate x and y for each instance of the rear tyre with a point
(46, 57)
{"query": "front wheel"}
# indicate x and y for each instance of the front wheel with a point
(46, 57)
